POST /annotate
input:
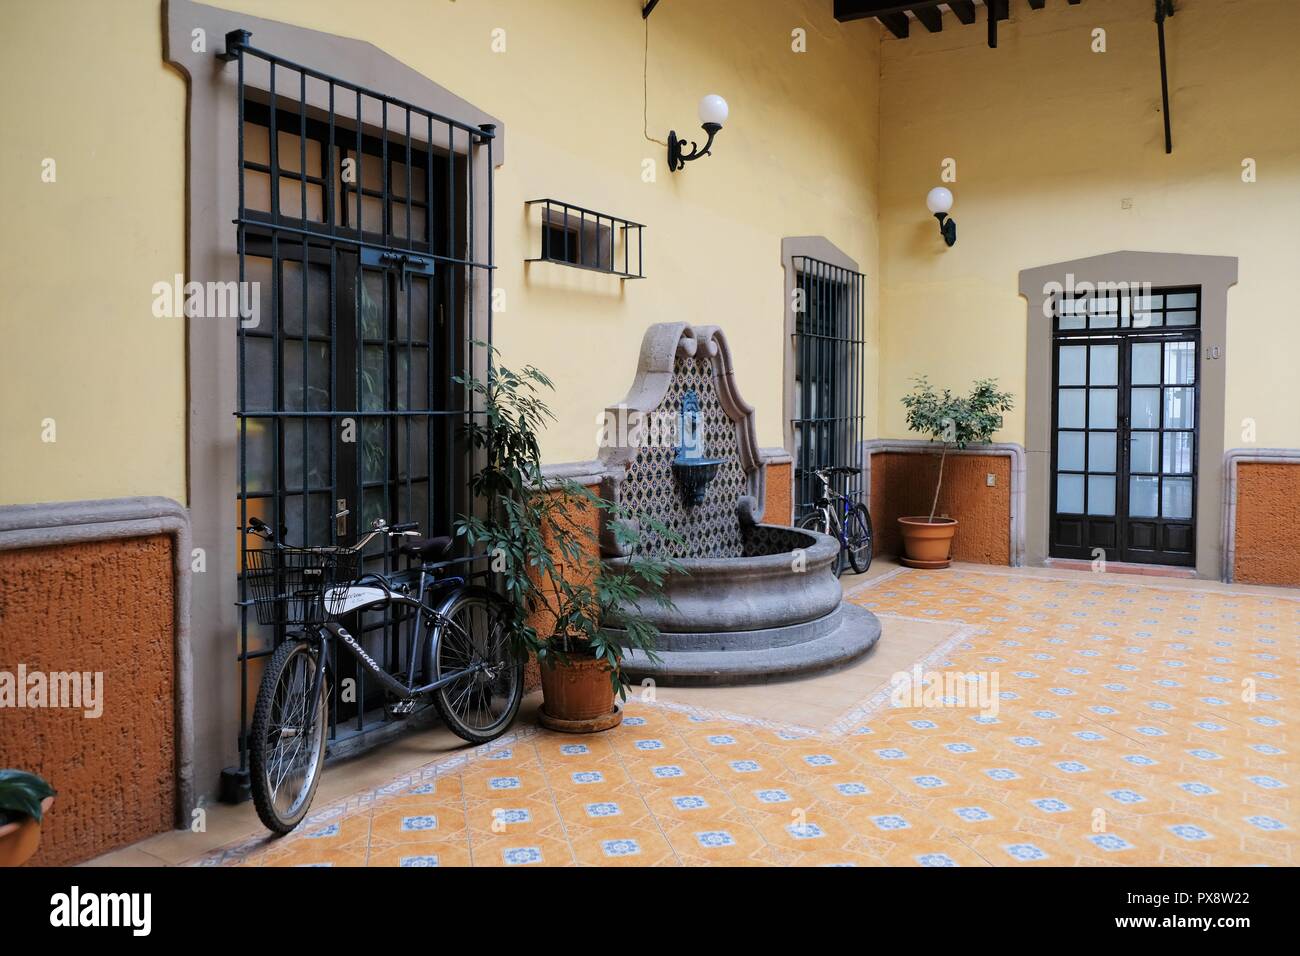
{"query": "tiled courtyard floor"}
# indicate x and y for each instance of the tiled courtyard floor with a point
(1136, 723)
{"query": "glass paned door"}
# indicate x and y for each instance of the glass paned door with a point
(1087, 444)
(1125, 438)
(1162, 450)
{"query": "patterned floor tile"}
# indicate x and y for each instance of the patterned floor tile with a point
(624, 846)
(421, 854)
(523, 849)
(1132, 724)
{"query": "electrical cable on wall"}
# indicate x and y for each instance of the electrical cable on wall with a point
(645, 89)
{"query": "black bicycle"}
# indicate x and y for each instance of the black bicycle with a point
(849, 523)
(460, 650)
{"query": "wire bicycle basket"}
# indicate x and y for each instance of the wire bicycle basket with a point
(299, 585)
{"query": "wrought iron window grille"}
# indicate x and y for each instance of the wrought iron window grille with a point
(361, 217)
(585, 239)
(829, 355)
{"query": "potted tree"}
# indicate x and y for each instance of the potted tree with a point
(544, 539)
(24, 800)
(955, 422)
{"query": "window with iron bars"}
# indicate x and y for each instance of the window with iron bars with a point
(357, 222)
(829, 390)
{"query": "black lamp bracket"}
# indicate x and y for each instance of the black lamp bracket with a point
(947, 228)
(677, 158)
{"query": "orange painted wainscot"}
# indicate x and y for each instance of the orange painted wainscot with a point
(96, 593)
(901, 476)
(1262, 516)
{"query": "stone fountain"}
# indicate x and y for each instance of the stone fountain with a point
(757, 602)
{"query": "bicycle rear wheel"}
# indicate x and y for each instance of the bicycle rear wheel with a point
(286, 749)
(859, 540)
(476, 637)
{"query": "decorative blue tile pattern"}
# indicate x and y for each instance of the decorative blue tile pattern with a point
(521, 856)
(712, 839)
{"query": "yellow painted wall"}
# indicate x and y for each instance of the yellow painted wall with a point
(798, 157)
(85, 86)
(1049, 138)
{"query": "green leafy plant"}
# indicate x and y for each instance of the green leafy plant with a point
(21, 794)
(954, 420)
(544, 539)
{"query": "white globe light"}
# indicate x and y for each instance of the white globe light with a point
(939, 200)
(713, 109)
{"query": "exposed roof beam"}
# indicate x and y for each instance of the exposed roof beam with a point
(894, 13)
(863, 9)
(964, 10)
(931, 18)
(897, 23)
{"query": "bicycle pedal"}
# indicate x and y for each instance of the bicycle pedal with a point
(402, 708)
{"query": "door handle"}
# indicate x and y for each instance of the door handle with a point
(341, 519)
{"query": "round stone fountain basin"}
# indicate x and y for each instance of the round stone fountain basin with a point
(775, 611)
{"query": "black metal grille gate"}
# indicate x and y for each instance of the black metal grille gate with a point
(829, 391)
(357, 220)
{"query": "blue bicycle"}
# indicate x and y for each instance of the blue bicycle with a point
(837, 515)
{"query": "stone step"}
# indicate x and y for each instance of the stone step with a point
(765, 660)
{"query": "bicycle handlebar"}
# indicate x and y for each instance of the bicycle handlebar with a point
(260, 528)
(830, 470)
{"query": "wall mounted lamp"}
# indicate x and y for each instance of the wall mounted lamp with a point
(713, 113)
(939, 201)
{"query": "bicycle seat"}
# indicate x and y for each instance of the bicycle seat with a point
(427, 549)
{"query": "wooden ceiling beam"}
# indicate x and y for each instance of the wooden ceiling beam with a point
(931, 18)
(893, 13)
(846, 10)
(897, 23)
(963, 10)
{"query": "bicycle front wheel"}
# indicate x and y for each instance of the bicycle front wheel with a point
(286, 749)
(858, 538)
(812, 521)
(816, 521)
(474, 640)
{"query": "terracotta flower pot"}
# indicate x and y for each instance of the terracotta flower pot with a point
(926, 543)
(19, 839)
(577, 695)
